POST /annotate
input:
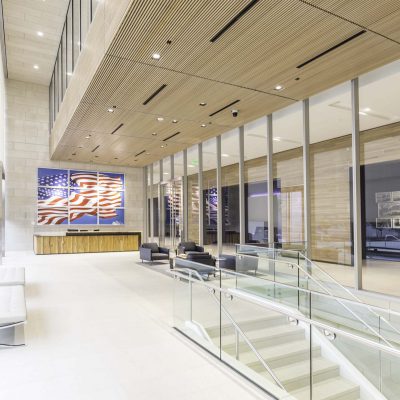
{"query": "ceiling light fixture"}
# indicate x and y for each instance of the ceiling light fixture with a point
(279, 88)
(191, 166)
(40, 34)
(36, 66)
(224, 155)
(156, 56)
(174, 121)
(202, 104)
(111, 109)
(366, 109)
(87, 137)
(277, 139)
(362, 113)
(166, 173)
(163, 145)
(203, 125)
(154, 134)
(147, 154)
(160, 119)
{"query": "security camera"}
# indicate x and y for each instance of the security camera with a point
(235, 113)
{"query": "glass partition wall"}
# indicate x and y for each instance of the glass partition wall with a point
(210, 196)
(230, 190)
(325, 166)
(255, 181)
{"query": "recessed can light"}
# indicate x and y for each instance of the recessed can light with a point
(203, 125)
(39, 33)
(156, 56)
(279, 88)
(277, 139)
(224, 155)
(36, 66)
(87, 137)
(160, 119)
(366, 109)
(111, 109)
(147, 154)
(154, 134)
(203, 103)
(174, 121)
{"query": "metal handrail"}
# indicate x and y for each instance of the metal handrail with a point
(233, 322)
(330, 293)
(300, 317)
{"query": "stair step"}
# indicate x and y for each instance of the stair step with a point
(282, 354)
(297, 375)
(265, 337)
(273, 319)
(332, 389)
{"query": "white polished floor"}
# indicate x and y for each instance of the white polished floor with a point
(100, 328)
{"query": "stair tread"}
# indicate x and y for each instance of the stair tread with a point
(328, 389)
(270, 353)
(273, 331)
(214, 330)
(299, 370)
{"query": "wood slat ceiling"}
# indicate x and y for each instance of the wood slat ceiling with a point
(261, 50)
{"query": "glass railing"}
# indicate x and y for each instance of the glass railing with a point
(80, 14)
(292, 268)
(267, 331)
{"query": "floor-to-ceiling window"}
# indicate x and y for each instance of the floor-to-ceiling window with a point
(193, 193)
(330, 172)
(156, 210)
(380, 177)
(210, 198)
(287, 127)
(255, 177)
(230, 190)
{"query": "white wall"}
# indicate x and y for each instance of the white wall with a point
(27, 148)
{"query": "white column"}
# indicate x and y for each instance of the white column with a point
(355, 152)
(306, 176)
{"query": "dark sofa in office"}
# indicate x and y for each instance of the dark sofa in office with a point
(237, 263)
(193, 252)
(152, 252)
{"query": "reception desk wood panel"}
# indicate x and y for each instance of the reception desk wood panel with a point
(91, 242)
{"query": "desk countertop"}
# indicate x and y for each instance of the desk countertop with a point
(88, 233)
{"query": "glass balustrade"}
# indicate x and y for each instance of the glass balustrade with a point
(292, 342)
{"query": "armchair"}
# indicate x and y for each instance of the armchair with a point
(152, 252)
(185, 247)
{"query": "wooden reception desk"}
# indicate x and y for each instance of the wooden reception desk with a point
(86, 242)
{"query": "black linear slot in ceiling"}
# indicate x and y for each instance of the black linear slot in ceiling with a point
(170, 137)
(138, 154)
(118, 127)
(234, 20)
(224, 108)
(331, 49)
(156, 93)
(95, 148)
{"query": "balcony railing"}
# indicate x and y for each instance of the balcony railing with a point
(79, 16)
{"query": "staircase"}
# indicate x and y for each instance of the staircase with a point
(286, 349)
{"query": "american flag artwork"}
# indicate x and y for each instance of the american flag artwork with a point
(53, 177)
(80, 197)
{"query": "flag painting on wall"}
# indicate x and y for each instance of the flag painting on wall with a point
(80, 197)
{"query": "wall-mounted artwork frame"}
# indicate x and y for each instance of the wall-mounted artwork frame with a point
(78, 197)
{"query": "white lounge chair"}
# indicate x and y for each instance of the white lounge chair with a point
(10, 276)
(12, 312)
